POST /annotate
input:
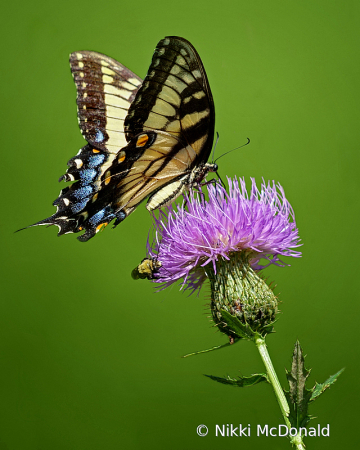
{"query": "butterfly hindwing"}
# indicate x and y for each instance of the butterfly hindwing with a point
(105, 91)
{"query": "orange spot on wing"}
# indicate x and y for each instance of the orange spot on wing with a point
(121, 157)
(142, 140)
(96, 151)
(102, 225)
(80, 228)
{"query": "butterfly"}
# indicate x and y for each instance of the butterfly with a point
(145, 139)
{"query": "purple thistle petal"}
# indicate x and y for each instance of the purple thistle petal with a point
(188, 240)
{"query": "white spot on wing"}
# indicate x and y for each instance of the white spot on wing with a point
(107, 79)
(187, 78)
(175, 83)
(128, 86)
(173, 127)
(193, 118)
(114, 124)
(116, 139)
(175, 69)
(78, 163)
(155, 121)
(199, 94)
(181, 61)
(118, 102)
(163, 108)
(107, 71)
(134, 81)
(170, 96)
(110, 89)
(116, 113)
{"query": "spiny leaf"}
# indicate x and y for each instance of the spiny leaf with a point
(241, 330)
(241, 381)
(298, 396)
(212, 348)
(318, 389)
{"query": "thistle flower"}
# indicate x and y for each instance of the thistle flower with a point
(223, 239)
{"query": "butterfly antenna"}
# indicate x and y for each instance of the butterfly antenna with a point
(217, 140)
(236, 148)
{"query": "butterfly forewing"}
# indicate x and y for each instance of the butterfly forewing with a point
(174, 101)
(175, 97)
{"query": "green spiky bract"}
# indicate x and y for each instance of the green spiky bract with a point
(241, 302)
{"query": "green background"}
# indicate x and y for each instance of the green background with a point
(91, 359)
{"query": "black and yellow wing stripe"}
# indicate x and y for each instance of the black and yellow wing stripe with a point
(149, 139)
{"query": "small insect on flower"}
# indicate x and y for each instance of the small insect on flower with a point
(146, 269)
(223, 239)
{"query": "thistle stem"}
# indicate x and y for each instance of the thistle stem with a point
(279, 393)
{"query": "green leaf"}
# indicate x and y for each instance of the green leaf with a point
(239, 329)
(218, 347)
(241, 381)
(298, 396)
(318, 389)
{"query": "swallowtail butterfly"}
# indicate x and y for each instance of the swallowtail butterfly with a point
(145, 139)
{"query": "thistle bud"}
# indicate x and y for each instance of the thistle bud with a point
(239, 290)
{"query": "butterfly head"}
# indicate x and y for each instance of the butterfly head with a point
(200, 172)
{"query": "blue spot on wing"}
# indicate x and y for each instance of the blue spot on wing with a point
(77, 207)
(99, 136)
(87, 175)
(84, 191)
(96, 218)
(95, 161)
(105, 214)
